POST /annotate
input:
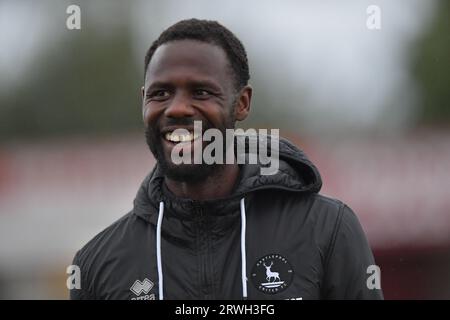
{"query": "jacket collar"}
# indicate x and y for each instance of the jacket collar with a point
(296, 174)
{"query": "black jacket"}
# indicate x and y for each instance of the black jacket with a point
(296, 244)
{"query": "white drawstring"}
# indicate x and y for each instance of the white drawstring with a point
(158, 250)
(243, 253)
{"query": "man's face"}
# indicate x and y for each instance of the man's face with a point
(186, 81)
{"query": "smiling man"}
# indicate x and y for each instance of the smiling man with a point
(179, 89)
(221, 230)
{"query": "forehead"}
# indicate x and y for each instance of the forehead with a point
(189, 59)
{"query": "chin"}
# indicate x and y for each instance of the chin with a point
(190, 173)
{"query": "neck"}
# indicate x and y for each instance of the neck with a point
(218, 185)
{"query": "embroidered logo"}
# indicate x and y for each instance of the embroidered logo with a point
(139, 287)
(272, 274)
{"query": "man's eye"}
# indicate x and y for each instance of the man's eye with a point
(201, 93)
(159, 94)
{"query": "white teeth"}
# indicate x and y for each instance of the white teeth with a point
(171, 136)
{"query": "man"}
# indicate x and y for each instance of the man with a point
(221, 230)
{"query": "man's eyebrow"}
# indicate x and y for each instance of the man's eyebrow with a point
(191, 84)
(205, 83)
(158, 84)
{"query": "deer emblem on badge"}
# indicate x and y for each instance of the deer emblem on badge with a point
(268, 280)
(270, 274)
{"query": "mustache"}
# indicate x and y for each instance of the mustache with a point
(178, 122)
(189, 122)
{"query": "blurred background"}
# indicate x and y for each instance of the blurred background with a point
(371, 107)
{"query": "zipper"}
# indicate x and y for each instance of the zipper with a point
(204, 251)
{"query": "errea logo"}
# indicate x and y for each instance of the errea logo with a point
(139, 287)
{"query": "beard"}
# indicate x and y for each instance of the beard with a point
(190, 173)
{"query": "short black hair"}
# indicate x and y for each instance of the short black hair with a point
(210, 32)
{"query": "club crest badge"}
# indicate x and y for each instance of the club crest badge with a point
(272, 274)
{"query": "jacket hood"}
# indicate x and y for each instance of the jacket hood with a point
(296, 173)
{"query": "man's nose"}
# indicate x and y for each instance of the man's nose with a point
(180, 107)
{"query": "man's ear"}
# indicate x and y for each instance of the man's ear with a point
(143, 104)
(242, 108)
